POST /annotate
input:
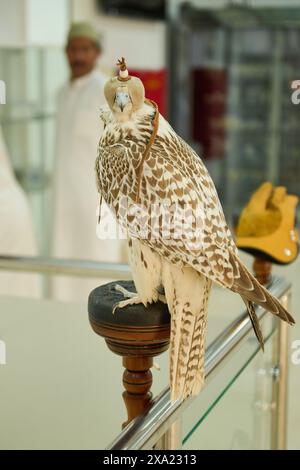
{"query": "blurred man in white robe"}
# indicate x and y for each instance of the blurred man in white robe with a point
(16, 231)
(75, 196)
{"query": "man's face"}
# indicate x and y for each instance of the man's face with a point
(82, 55)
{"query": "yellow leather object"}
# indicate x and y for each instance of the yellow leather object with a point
(266, 225)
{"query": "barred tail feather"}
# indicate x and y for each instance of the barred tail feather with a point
(252, 292)
(194, 383)
(188, 333)
(255, 322)
(186, 367)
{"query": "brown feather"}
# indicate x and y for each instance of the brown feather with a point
(259, 295)
(187, 348)
(255, 323)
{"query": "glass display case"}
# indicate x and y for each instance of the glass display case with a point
(231, 72)
(235, 410)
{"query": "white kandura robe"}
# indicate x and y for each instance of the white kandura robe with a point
(79, 128)
(16, 231)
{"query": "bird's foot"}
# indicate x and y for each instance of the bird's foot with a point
(124, 291)
(123, 303)
(132, 298)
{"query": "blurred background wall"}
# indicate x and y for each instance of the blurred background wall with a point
(221, 71)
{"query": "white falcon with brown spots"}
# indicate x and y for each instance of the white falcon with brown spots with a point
(179, 242)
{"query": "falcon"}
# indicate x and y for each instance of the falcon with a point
(179, 243)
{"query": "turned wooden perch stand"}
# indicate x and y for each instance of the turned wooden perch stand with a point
(134, 332)
(262, 269)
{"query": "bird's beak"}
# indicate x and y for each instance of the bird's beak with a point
(122, 98)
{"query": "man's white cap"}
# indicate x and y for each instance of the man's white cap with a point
(83, 29)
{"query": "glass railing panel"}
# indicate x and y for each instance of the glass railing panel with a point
(60, 382)
(61, 387)
(234, 409)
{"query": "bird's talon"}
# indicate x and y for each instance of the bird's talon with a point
(115, 306)
(126, 293)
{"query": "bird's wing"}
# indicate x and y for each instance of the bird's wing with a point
(252, 291)
(174, 183)
(174, 174)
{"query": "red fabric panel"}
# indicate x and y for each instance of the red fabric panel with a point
(209, 109)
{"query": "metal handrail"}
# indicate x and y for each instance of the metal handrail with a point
(145, 430)
(69, 267)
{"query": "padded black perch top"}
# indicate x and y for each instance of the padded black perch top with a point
(101, 302)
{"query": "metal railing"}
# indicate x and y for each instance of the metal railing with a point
(61, 266)
(160, 425)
